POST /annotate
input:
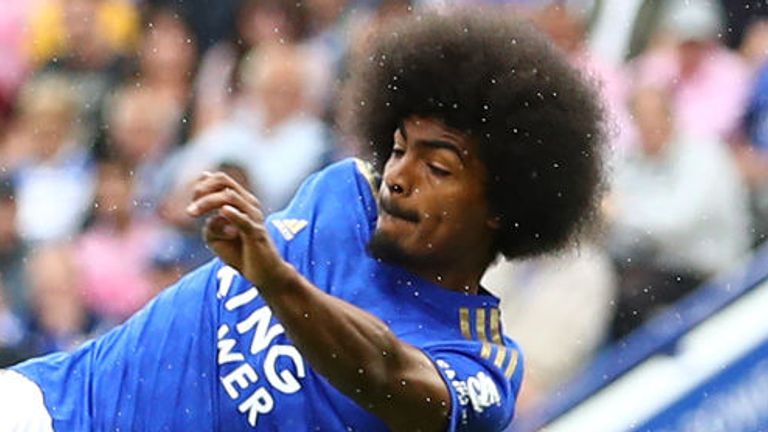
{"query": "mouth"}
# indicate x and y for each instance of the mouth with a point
(392, 210)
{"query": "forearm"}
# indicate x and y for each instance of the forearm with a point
(338, 338)
(358, 353)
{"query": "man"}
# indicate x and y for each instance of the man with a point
(672, 224)
(358, 307)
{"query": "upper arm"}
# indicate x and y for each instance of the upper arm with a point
(483, 383)
(456, 387)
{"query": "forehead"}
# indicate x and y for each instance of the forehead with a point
(431, 129)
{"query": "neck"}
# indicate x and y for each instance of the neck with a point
(464, 277)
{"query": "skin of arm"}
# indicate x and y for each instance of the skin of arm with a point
(354, 350)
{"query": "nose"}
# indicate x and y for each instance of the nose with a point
(397, 176)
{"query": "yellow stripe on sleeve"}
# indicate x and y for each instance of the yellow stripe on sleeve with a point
(464, 323)
(496, 327)
(485, 352)
(499, 360)
(512, 365)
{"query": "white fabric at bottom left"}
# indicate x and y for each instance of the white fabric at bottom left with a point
(21, 405)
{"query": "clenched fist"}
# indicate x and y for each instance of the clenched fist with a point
(235, 229)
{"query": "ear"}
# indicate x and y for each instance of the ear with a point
(494, 222)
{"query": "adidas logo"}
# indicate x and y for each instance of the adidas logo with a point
(289, 227)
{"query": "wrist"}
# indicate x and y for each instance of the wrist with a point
(281, 278)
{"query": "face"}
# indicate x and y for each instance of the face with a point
(114, 191)
(432, 205)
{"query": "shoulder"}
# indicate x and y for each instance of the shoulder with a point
(334, 206)
(333, 192)
(483, 378)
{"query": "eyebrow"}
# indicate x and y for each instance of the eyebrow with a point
(434, 144)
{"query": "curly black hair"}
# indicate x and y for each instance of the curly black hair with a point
(495, 78)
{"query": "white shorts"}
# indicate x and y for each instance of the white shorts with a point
(21, 405)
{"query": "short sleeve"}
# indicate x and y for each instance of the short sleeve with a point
(483, 380)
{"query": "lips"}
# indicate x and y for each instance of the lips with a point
(395, 211)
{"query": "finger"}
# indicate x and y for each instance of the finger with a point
(241, 220)
(219, 228)
(213, 182)
(216, 200)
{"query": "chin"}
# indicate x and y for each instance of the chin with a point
(388, 249)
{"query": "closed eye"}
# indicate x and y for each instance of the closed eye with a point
(440, 172)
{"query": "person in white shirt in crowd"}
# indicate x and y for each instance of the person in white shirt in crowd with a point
(678, 211)
(57, 175)
(276, 138)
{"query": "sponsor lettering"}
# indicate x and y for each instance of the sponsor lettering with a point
(251, 385)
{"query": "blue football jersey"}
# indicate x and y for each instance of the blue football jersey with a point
(208, 355)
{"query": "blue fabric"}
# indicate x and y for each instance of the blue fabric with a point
(208, 355)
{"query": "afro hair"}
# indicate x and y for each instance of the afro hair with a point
(537, 119)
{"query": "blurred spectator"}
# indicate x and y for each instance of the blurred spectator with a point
(16, 134)
(708, 84)
(678, 209)
(167, 61)
(331, 23)
(278, 142)
(173, 257)
(754, 47)
(11, 330)
(91, 65)
(752, 153)
(55, 27)
(333, 26)
(12, 335)
(259, 23)
(566, 25)
(13, 252)
(181, 249)
(61, 320)
(180, 245)
(13, 59)
(141, 126)
(56, 177)
(211, 21)
(114, 254)
(559, 309)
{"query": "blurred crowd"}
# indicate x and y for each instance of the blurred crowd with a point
(109, 109)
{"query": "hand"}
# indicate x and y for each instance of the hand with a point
(235, 228)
